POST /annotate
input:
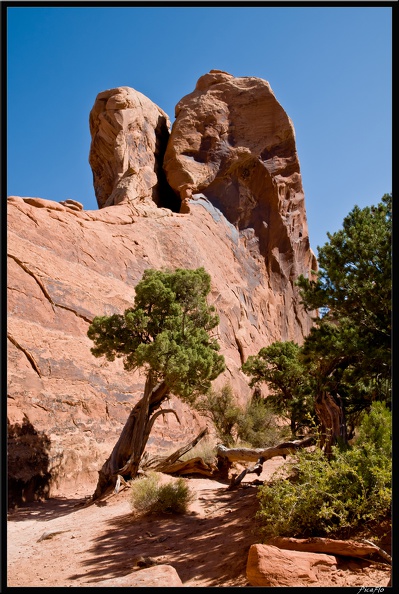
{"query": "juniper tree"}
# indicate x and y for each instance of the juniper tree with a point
(345, 361)
(167, 334)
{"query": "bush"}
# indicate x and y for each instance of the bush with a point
(325, 497)
(220, 407)
(257, 425)
(149, 496)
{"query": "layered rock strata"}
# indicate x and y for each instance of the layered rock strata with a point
(67, 265)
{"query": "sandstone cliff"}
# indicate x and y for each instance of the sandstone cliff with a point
(231, 160)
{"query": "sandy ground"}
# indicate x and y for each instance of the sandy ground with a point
(208, 546)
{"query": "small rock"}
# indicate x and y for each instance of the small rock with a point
(157, 576)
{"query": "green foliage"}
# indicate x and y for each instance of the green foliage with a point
(348, 351)
(167, 332)
(376, 428)
(220, 407)
(353, 289)
(254, 424)
(257, 425)
(149, 496)
(325, 497)
(281, 367)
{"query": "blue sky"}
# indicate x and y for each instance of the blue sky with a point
(329, 67)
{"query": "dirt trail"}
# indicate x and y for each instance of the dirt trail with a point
(208, 546)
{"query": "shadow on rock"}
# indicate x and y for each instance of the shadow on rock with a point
(28, 463)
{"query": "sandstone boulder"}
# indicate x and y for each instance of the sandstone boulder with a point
(271, 566)
(160, 576)
(346, 548)
(129, 135)
(233, 142)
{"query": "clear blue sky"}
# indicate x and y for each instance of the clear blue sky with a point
(329, 67)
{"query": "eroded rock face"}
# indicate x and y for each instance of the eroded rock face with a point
(67, 265)
(129, 136)
(233, 142)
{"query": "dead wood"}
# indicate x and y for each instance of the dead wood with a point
(173, 465)
(227, 456)
(125, 457)
(161, 464)
(332, 421)
(257, 469)
(192, 466)
(345, 548)
(253, 454)
(379, 550)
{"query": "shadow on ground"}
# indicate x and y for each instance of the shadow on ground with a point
(213, 548)
(43, 511)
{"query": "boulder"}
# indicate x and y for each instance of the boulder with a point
(129, 135)
(233, 142)
(156, 576)
(271, 566)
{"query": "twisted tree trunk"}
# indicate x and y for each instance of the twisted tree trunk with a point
(332, 421)
(128, 450)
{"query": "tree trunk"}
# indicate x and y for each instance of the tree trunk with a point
(227, 456)
(332, 421)
(128, 450)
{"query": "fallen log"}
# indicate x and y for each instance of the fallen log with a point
(253, 454)
(192, 466)
(345, 548)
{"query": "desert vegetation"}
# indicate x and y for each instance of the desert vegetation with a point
(150, 495)
(336, 386)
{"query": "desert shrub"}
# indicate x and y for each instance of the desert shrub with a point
(257, 425)
(376, 427)
(322, 496)
(254, 425)
(220, 407)
(150, 496)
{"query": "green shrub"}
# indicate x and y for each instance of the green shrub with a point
(220, 407)
(149, 496)
(257, 425)
(325, 497)
(376, 427)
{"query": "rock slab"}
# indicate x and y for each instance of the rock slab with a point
(129, 134)
(271, 566)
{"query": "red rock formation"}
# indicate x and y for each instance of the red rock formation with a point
(233, 142)
(129, 136)
(67, 265)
